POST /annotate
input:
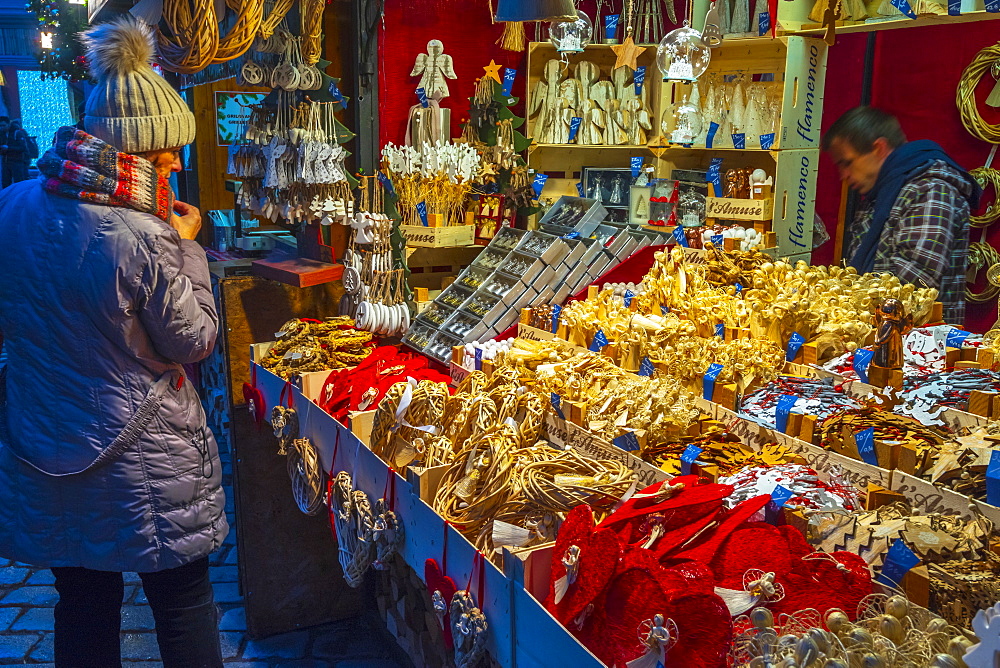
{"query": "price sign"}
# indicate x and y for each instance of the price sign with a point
(714, 175)
(713, 127)
(956, 338)
(794, 344)
(539, 183)
(556, 310)
(763, 23)
(717, 239)
(579, 188)
(862, 358)
(767, 141)
(865, 440)
(611, 26)
(993, 6)
(739, 288)
(422, 96)
(627, 298)
(386, 183)
(574, 128)
(780, 496)
(689, 457)
(781, 412)
(954, 7)
(640, 76)
(557, 405)
(508, 81)
(336, 94)
(720, 330)
(646, 367)
(422, 212)
(600, 340)
(904, 6)
(627, 441)
(708, 383)
(898, 562)
(636, 164)
(479, 359)
(739, 140)
(664, 310)
(993, 479)
(681, 238)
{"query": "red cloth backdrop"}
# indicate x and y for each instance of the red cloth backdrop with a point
(915, 75)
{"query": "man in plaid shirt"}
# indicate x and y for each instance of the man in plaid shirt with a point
(914, 220)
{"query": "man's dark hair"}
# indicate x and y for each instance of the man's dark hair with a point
(861, 126)
(4, 119)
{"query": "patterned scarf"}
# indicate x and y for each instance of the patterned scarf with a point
(83, 167)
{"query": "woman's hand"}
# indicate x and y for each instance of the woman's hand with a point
(186, 220)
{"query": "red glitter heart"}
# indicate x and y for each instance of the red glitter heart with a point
(438, 581)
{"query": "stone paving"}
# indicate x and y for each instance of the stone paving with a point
(27, 599)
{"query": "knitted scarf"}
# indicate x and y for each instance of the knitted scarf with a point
(83, 167)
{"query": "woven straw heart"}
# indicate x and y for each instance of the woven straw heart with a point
(598, 556)
(437, 581)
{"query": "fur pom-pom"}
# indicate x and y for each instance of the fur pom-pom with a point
(118, 47)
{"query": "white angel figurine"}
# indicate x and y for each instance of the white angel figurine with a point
(433, 68)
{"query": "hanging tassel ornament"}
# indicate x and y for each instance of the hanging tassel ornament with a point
(513, 36)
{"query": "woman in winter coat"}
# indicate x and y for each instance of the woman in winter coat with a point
(107, 464)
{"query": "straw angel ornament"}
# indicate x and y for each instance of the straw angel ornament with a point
(434, 68)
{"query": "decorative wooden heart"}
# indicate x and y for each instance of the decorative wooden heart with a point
(442, 590)
(255, 403)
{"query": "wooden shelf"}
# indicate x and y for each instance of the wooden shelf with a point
(895, 24)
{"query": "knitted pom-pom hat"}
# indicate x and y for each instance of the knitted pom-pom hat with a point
(132, 107)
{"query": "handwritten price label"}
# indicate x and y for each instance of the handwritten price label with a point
(422, 96)
(635, 164)
(763, 23)
(422, 212)
(574, 129)
(794, 345)
(862, 359)
(708, 382)
(739, 140)
(865, 440)
(539, 183)
(508, 81)
(611, 26)
(640, 76)
(689, 457)
(767, 141)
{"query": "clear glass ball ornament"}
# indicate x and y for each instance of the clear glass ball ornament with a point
(682, 55)
(687, 122)
(571, 36)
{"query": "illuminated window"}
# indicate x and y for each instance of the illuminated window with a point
(45, 106)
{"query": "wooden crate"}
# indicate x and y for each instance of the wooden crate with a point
(438, 237)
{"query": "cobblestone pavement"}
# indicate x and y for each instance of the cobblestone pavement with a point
(26, 607)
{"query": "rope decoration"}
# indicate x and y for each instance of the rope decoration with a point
(983, 256)
(195, 36)
(354, 525)
(306, 474)
(271, 22)
(311, 18)
(239, 39)
(965, 97)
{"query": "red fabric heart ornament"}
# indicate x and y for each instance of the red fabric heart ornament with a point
(255, 403)
(753, 546)
(598, 557)
(709, 542)
(438, 581)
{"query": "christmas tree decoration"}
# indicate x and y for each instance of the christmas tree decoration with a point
(61, 54)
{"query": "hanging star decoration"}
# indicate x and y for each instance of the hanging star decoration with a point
(627, 53)
(493, 71)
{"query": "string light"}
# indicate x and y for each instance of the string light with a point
(46, 40)
(45, 106)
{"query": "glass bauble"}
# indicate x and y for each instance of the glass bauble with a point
(571, 36)
(682, 55)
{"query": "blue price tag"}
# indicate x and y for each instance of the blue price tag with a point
(954, 7)
(739, 288)
(610, 26)
(679, 235)
(780, 496)
(767, 141)
(508, 81)
(627, 441)
(479, 359)
(336, 94)
(739, 140)
(763, 23)
(640, 76)
(713, 127)
(904, 6)
(956, 338)
(993, 479)
(386, 183)
(865, 440)
(720, 330)
(717, 239)
(556, 310)
(579, 188)
(689, 457)
(557, 405)
(574, 129)
(572, 235)
(795, 342)
(898, 562)
(781, 412)
(993, 6)
(627, 298)
(862, 358)
(714, 175)
(539, 183)
(422, 96)
(422, 212)
(636, 164)
(664, 310)
(646, 367)
(600, 340)
(708, 385)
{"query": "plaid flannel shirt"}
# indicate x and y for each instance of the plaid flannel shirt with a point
(926, 237)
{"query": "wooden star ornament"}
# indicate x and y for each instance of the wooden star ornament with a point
(627, 53)
(493, 71)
